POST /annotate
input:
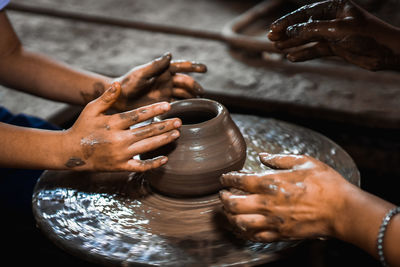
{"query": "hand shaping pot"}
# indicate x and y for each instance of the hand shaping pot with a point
(210, 144)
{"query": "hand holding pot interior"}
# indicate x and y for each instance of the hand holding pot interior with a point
(158, 80)
(299, 198)
(106, 143)
(338, 28)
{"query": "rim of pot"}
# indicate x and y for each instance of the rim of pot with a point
(188, 104)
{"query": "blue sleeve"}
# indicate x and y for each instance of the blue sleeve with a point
(3, 3)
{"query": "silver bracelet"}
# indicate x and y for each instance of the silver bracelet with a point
(381, 233)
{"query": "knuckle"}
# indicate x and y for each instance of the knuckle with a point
(163, 126)
(138, 166)
(116, 139)
(235, 181)
(92, 104)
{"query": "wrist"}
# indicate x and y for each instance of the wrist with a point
(31, 148)
(71, 154)
(344, 211)
(359, 218)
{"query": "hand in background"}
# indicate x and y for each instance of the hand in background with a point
(338, 28)
(158, 80)
(106, 143)
(299, 198)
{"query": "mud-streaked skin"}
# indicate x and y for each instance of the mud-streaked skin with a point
(338, 28)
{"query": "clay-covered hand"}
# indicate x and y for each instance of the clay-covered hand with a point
(102, 142)
(338, 28)
(299, 198)
(159, 80)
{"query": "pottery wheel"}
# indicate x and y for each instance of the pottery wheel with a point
(116, 219)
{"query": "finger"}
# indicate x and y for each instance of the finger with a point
(318, 50)
(136, 165)
(329, 30)
(157, 66)
(105, 101)
(187, 66)
(187, 82)
(254, 222)
(126, 119)
(267, 182)
(244, 204)
(164, 77)
(303, 33)
(154, 142)
(154, 129)
(325, 10)
(266, 237)
(181, 93)
(282, 161)
(366, 62)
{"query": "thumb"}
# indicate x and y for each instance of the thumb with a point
(107, 99)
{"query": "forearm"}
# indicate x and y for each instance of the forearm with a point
(359, 223)
(29, 148)
(40, 75)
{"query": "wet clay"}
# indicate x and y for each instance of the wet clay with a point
(209, 145)
(98, 90)
(74, 162)
(117, 219)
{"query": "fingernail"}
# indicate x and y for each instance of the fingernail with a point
(168, 54)
(177, 123)
(200, 67)
(165, 106)
(222, 178)
(290, 58)
(175, 134)
(113, 89)
(164, 160)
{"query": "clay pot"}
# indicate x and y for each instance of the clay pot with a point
(210, 144)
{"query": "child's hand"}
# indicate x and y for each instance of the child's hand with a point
(158, 80)
(106, 143)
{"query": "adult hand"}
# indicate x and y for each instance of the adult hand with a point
(106, 143)
(159, 80)
(299, 198)
(338, 28)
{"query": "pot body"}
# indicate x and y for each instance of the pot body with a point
(210, 144)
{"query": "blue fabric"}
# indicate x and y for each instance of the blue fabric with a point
(16, 185)
(3, 3)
